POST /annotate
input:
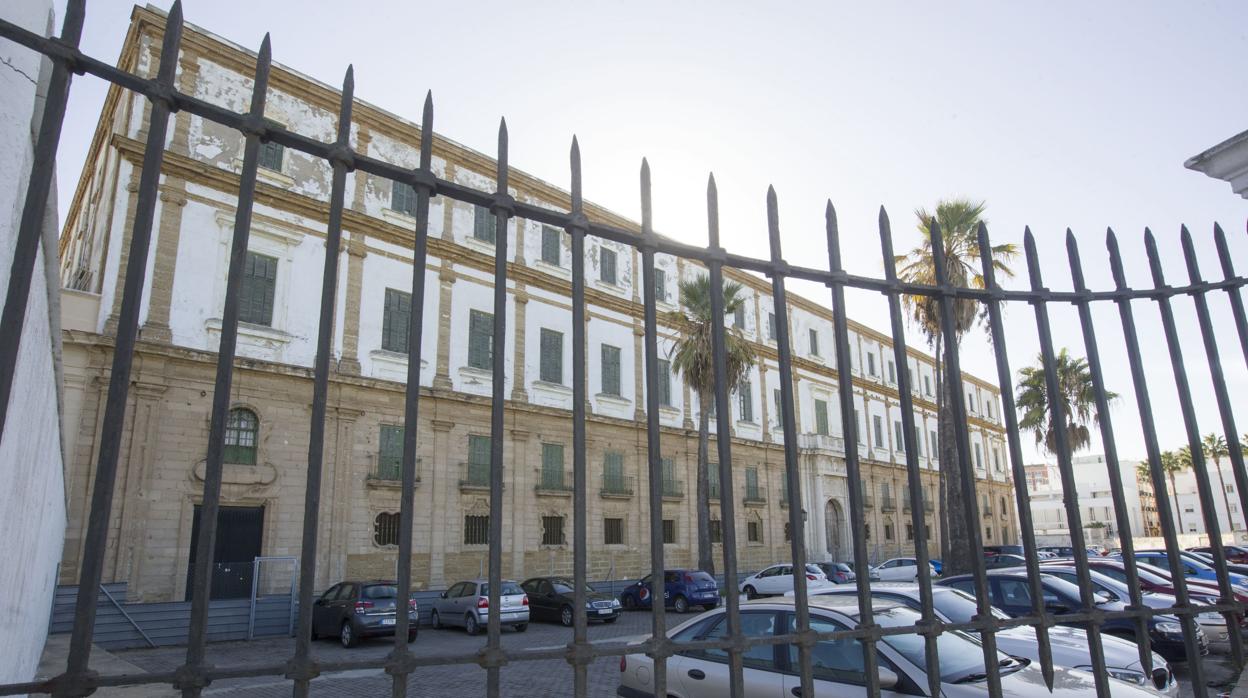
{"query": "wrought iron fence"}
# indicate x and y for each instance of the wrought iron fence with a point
(195, 674)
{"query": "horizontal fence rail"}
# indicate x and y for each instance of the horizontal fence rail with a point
(302, 667)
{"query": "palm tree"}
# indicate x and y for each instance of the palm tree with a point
(1171, 463)
(1077, 402)
(958, 220)
(693, 358)
(1214, 447)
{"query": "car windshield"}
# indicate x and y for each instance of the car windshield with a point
(960, 607)
(960, 656)
(566, 586)
(509, 589)
(381, 591)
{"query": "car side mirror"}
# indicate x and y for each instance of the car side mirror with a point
(888, 678)
(442, 595)
(319, 602)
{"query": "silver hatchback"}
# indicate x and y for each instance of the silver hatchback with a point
(467, 604)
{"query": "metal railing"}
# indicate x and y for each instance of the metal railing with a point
(474, 475)
(755, 495)
(672, 488)
(385, 472)
(302, 667)
(616, 485)
(553, 481)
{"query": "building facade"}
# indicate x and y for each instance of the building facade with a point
(162, 462)
(1096, 504)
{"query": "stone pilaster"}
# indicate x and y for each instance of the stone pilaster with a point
(765, 396)
(119, 281)
(136, 485)
(520, 495)
(363, 138)
(444, 479)
(356, 252)
(446, 283)
(639, 371)
(519, 393)
(339, 490)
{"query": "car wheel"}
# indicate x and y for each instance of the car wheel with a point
(751, 593)
(434, 620)
(680, 604)
(628, 602)
(521, 627)
(347, 636)
(470, 623)
(565, 616)
(411, 637)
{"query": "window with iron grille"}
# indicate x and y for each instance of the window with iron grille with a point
(478, 460)
(788, 532)
(660, 285)
(754, 531)
(483, 224)
(271, 155)
(909, 532)
(821, 417)
(481, 340)
(551, 356)
(775, 397)
(888, 531)
(255, 298)
(386, 529)
(477, 529)
(610, 370)
(669, 531)
(988, 533)
(814, 342)
(1002, 505)
(745, 400)
(402, 198)
(552, 466)
(241, 432)
(866, 531)
(390, 452)
(717, 531)
(552, 530)
(665, 383)
(738, 316)
(606, 265)
(396, 316)
(612, 531)
(771, 326)
(552, 242)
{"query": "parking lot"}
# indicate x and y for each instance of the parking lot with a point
(529, 679)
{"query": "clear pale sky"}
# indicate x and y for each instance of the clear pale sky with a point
(1057, 115)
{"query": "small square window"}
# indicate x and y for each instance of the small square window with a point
(386, 529)
(613, 531)
(271, 155)
(552, 530)
(477, 530)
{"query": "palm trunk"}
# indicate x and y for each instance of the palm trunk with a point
(943, 514)
(957, 559)
(706, 561)
(1178, 512)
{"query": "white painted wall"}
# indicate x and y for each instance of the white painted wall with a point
(32, 480)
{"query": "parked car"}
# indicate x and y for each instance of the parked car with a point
(1010, 591)
(1207, 558)
(681, 590)
(937, 565)
(1003, 550)
(1059, 550)
(1192, 565)
(778, 579)
(1003, 560)
(1237, 554)
(838, 665)
(468, 604)
(837, 572)
(899, 569)
(354, 610)
(552, 599)
(1069, 646)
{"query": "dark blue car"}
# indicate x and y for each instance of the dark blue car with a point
(681, 589)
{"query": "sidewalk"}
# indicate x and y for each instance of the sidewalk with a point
(56, 651)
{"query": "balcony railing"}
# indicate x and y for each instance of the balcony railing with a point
(554, 482)
(616, 485)
(673, 488)
(715, 491)
(755, 495)
(390, 473)
(987, 511)
(888, 504)
(928, 506)
(868, 501)
(474, 476)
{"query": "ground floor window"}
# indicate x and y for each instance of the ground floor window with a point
(669, 531)
(477, 530)
(552, 530)
(386, 529)
(754, 531)
(717, 532)
(613, 531)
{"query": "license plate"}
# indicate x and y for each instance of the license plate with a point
(604, 611)
(387, 621)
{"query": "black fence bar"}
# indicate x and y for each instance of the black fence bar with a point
(96, 540)
(1241, 324)
(34, 209)
(202, 574)
(1162, 499)
(1061, 440)
(580, 484)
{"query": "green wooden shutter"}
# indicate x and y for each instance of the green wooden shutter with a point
(478, 459)
(665, 383)
(390, 452)
(395, 319)
(779, 412)
(613, 472)
(814, 342)
(745, 397)
(483, 224)
(610, 370)
(606, 265)
(552, 466)
(480, 340)
(255, 301)
(660, 284)
(402, 198)
(551, 253)
(551, 356)
(821, 417)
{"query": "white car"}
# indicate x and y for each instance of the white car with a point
(1069, 646)
(838, 665)
(899, 569)
(778, 579)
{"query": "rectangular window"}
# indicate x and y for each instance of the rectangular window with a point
(814, 342)
(717, 531)
(402, 198)
(892, 372)
(613, 473)
(551, 356)
(396, 315)
(671, 487)
(665, 383)
(610, 370)
(745, 401)
(909, 532)
(551, 243)
(821, 417)
(935, 444)
(871, 364)
(478, 460)
(477, 530)
(752, 492)
(390, 452)
(606, 265)
(660, 285)
(255, 298)
(483, 224)
(899, 442)
(613, 531)
(979, 458)
(927, 385)
(888, 531)
(754, 531)
(271, 154)
(552, 467)
(918, 440)
(775, 395)
(738, 317)
(712, 480)
(771, 326)
(996, 463)
(481, 340)
(879, 430)
(669, 531)
(552, 530)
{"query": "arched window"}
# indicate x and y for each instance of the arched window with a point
(386, 529)
(241, 432)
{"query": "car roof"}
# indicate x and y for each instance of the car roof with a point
(842, 604)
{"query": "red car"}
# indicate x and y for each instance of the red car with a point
(1234, 553)
(1156, 581)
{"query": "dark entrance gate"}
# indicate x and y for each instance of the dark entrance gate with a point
(239, 533)
(196, 673)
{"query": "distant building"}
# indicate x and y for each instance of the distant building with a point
(1188, 514)
(1096, 504)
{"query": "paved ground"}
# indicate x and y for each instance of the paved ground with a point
(536, 679)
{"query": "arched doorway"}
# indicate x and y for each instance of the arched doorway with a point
(834, 525)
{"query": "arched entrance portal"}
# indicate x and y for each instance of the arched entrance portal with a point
(834, 525)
